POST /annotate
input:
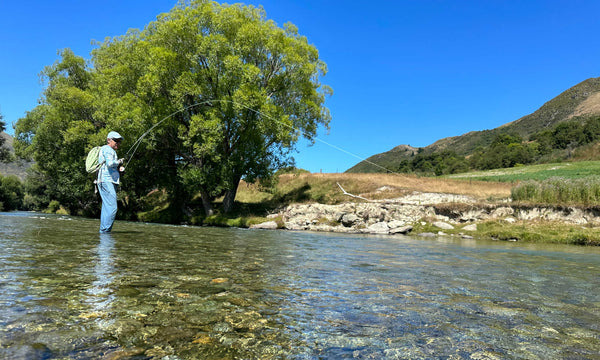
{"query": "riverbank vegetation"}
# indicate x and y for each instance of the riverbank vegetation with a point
(540, 232)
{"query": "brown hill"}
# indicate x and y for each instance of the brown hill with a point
(578, 102)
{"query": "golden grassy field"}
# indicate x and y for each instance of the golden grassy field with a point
(324, 188)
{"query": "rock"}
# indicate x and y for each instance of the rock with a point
(269, 225)
(395, 224)
(470, 227)
(443, 225)
(473, 215)
(401, 229)
(502, 212)
(349, 220)
(427, 234)
(219, 280)
(294, 226)
(379, 228)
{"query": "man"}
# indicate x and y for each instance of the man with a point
(108, 179)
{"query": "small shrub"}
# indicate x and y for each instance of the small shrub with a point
(53, 207)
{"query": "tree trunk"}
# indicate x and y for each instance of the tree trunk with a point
(230, 195)
(207, 203)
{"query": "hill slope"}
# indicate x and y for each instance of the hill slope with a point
(581, 100)
(17, 167)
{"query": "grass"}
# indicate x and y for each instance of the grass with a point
(568, 170)
(558, 190)
(547, 232)
(324, 188)
(538, 232)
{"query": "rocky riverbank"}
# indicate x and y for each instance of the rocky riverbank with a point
(442, 212)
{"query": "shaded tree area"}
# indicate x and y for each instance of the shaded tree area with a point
(5, 155)
(11, 188)
(438, 163)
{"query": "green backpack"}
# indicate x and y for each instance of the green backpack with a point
(91, 162)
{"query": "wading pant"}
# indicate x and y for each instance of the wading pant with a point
(108, 193)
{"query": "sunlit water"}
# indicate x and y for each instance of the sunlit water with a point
(174, 292)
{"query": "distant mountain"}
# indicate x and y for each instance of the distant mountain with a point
(578, 102)
(17, 167)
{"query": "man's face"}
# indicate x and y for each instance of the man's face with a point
(114, 143)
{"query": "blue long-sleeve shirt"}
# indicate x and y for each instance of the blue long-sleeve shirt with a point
(109, 171)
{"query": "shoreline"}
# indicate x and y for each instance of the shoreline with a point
(438, 214)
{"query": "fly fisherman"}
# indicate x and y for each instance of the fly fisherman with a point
(108, 179)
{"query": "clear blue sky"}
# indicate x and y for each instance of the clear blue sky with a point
(402, 71)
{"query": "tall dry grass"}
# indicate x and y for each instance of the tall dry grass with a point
(324, 188)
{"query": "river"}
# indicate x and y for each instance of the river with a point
(151, 291)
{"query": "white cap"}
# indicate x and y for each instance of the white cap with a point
(114, 135)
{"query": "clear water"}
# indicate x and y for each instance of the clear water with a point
(174, 292)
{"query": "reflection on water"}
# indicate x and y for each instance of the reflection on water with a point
(174, 292)
(100, 293)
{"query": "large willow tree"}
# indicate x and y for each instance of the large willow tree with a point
(216, 93)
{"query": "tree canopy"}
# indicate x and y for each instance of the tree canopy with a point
(225, 93)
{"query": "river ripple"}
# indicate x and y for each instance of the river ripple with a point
(175, 292)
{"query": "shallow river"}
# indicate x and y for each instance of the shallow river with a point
(175, 292)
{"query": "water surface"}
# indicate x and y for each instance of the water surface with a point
(175, 292)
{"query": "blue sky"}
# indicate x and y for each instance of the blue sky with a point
(402, 72)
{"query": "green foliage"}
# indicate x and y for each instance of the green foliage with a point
(506, 150)
(557, 190)
(539, 232)
(11, 193)
(53, 207)
(37, 196)
(55, 135)
(5, 154)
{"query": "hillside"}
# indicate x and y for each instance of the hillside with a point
(580, 101)
(17, 167)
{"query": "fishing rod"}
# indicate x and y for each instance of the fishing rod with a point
(137, 143)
